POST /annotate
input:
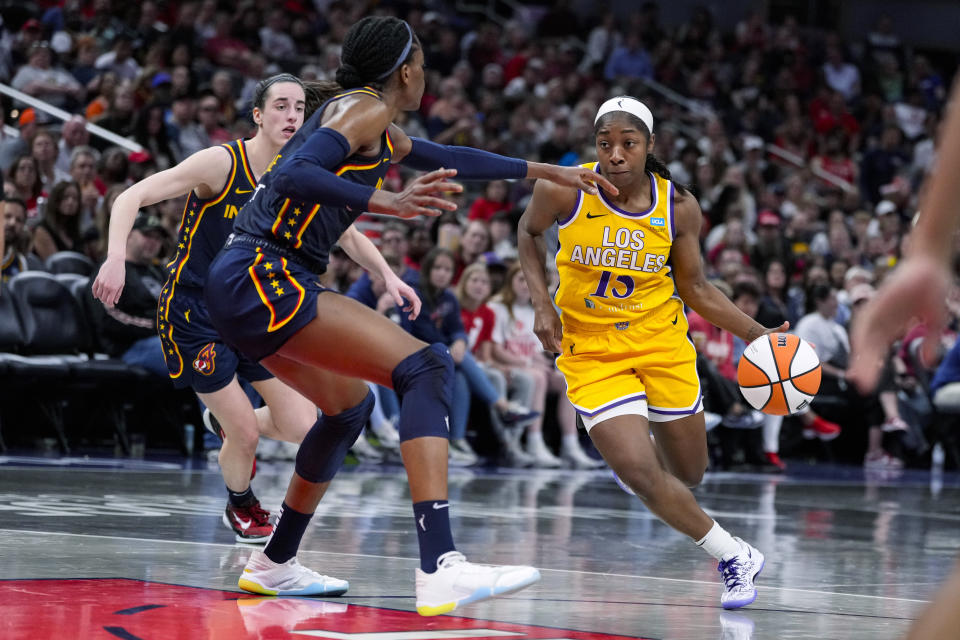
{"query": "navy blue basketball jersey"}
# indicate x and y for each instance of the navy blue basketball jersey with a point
(311, 228)
(206, 223)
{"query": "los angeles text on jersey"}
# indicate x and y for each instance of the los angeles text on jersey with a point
(620, 249)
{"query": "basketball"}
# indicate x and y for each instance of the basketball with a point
(779, 374)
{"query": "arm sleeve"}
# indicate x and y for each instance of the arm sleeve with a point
(470, 163)
(308, 174)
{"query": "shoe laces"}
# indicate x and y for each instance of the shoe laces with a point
(261, 515)
(730, 571)
(449, 559)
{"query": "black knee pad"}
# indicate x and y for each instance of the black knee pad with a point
(424, 382)
(325, 446)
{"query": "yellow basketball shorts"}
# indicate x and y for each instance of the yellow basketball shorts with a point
(647, 367)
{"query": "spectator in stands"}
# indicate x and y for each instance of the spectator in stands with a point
(118, 116)
(439, 321)
(129, 329)
(72, 136)
(474, 242)
(629, 60)
(150, 131)
(23, 182)
(495, 198)
(517, 347)
(40, 79)
(44, 150)
(880, 165)
(840, 75)
(15, 240)
(59, 230)
(119, 59)
(274, 41)
(479, 321)
(83, 171)
(208, 115)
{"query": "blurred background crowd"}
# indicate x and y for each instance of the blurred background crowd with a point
(806, 150)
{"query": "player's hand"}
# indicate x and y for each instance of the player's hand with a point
(915, 289)
(582, 178)
(403, 294)
(781, 329)
(422, 197)
(109, 283)
(549, 329)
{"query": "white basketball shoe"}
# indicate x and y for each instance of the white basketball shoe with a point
(264, 576)
(738, 574)
(457, 582)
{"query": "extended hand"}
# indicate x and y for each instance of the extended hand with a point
(917, 288)
(422, 197)
(582, 178)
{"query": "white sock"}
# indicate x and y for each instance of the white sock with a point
(570, 441)
(719, 543)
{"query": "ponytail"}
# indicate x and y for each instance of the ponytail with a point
(655, 165)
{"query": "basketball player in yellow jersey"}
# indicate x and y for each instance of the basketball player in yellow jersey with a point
(628, 263)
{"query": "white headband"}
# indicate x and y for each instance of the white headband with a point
(631, 106)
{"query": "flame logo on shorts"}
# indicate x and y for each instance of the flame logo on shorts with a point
(204, 364)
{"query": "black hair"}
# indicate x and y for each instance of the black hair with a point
(369, 54)
(52, 214)
(430, 293)
(653, 164)
(819, 293)
(260, 91)
(15, 200)
(746, 288)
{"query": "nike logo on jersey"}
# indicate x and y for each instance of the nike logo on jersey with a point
(591, 216)
(675, 319)
(437, 505)
(241, 192)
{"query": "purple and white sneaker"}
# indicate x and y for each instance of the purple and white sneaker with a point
(738, 574)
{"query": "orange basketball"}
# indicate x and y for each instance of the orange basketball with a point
(779, 374)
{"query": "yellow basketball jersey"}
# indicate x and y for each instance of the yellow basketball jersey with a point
(613, 263)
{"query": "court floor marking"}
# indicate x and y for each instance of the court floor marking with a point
(542, 569)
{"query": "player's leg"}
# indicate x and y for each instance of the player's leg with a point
(624, 442)
(683, 447)
(236, 417)
(287, 414)
(348, 338)
(346, 404)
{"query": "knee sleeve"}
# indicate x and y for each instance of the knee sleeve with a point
(424, 382)
(325, 446)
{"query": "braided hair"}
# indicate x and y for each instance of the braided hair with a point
(653, 163)
(372, 50)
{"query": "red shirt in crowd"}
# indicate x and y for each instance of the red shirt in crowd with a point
(715, 343)
(479, 326)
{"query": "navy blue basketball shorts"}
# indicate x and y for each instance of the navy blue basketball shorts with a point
(258, 300)
(196, 354)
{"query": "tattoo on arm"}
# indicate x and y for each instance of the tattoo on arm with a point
(754, 333)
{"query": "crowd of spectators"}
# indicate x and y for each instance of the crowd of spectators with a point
(805, 150)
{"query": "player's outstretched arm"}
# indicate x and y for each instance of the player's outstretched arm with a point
(918, 286)
(362, 251)
(692, 284)
(205, 171)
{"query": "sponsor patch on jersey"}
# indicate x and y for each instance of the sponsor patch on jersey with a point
(622, 326)
(658, 222)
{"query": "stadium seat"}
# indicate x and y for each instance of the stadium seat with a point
(70, 262)
(34, 263)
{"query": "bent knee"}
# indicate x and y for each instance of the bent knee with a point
(691, 477)
(646, 483)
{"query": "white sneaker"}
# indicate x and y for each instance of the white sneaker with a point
(264, 576)
(458, 582)
(542, 456)
(462, 454)
(738, 574)
(578, 458)
(387, 434)
(365, 451)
